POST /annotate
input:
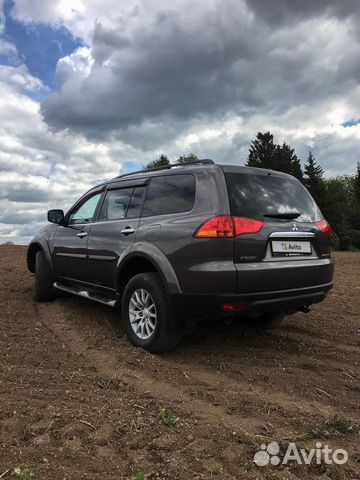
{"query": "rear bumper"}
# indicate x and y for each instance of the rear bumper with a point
(204, 306)
(280, 274)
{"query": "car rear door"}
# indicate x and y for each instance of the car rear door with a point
(290, 236)
(114, 230)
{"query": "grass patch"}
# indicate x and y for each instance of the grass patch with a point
(9, 373)
(218, 469)
(140, 476)
(248, 466)
(338, 425)
(26, 433)
(28, 430)
(168, 418)
(24, 474)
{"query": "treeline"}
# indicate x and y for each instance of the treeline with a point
(163, 160)
(338, 198)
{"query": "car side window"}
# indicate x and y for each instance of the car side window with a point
(86, 212)
(116, 204)
(170, 194)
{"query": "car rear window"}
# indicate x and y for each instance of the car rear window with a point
(170, 194)
(254, 196)
(115, 204)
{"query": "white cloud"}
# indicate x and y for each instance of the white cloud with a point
(7, 48)
(19, 79)
(158, 77)
(78, 65)
(78, 16)
(40, 169)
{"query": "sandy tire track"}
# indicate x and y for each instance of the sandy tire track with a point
(108, 365)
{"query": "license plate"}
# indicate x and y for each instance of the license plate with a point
(290, 248)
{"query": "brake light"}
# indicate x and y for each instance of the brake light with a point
(324, 227)
(247, 225)
(225, 226)
(218, 227)
(234, 307)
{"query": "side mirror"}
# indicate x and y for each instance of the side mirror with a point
(56, 216)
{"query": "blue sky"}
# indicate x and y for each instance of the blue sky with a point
(39, 46)
(351, 123)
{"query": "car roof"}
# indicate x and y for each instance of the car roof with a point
(252, 170)
(166, 170)
(190, 168)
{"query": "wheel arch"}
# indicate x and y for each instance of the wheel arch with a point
(31, 255)
(141, 262)
(35, 247)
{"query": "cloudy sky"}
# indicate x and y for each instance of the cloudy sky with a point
(92, 88)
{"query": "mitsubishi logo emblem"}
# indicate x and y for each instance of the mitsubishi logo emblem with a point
(295, 229)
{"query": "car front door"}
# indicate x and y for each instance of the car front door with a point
(114, 231)
(70, 242)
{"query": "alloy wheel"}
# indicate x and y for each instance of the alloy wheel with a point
(142, 314)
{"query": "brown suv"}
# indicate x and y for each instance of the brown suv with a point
(187, 242)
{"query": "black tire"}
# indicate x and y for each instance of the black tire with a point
(270, 321)
(44, 291)
(167, 332)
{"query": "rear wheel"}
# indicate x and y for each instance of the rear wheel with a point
(44, 291)
(148, 317)
(269, 321)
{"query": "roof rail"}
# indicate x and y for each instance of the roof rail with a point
(205, 161)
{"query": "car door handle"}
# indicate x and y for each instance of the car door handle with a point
(127, 230)
(82, 234)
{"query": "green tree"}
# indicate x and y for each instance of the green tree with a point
(356, 206)
(285, 160)
(191, 157)
(357, 183)
(341, 211)
(315, 182)
(161, 161)
(338, 198)
(262, 151)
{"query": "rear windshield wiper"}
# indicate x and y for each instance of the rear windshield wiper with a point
(287, 215)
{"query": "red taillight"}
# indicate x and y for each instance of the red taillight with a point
(218, 227)
(225, 226)
(247, 225)
(233, 307)
(324, 227)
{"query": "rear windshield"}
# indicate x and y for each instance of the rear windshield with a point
(257, 195)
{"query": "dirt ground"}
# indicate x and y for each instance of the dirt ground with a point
(77, 401)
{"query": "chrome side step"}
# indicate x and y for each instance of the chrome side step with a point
(85, 294)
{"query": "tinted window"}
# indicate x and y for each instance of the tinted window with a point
(85, 213)
(170, 194)
(258, 195)
(115, 204)
(136, 203)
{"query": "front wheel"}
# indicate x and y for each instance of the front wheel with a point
(148, 317)
(44, 291)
